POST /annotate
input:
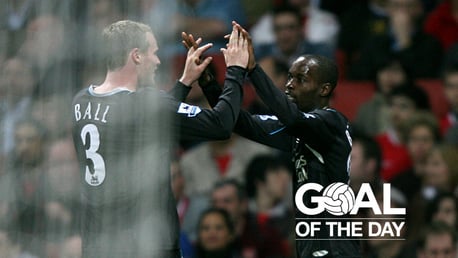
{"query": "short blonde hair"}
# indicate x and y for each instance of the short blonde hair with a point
(120, 38)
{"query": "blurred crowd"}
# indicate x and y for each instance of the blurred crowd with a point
(234, 197)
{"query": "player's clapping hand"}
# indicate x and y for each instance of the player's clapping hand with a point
(251, 60)
(194, 65)
(189, 42)
(236, 53)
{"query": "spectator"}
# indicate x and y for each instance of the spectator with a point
(289, 41)
(442, 23)
(230, 196)
(17, 83)
(210, 162)
(438, 239)
(62, 187)
(450, 82)
(365, 162)
(443, 208)
(28, 180)
(267, 184)
(317, 26)
(382, 247)
(14, 16)
(189, 208)
(358, 24)
(421, 135)
(53, 57)
(28, 160)
(373, 116)
(421, 53)
(216, 235)
(10, 246)
(404, 101)
(442, 168)
(271, 219)
(60, 221)
(54, 113)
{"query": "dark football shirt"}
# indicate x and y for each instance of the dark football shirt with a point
(320, 144)
(123, 141)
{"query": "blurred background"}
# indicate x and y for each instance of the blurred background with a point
(398, 66)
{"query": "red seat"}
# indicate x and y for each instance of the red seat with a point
(437, 99)
(349, 95)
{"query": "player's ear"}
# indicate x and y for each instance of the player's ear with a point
(326, 89)
(135, 56)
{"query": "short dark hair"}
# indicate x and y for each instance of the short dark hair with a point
(231, 182)
(433, 205)
(371, 148)
(390, 60)
(327, 71)
(436, 228)
(414, 93)
(257, 169)
(199, 249)
(223, 213)
(287, 8)
(423, 118)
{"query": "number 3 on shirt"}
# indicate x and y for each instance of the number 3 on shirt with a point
(96, 177)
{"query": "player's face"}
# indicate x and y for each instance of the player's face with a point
(150, 62)
(302, 86)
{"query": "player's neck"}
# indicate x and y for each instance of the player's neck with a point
(121, 78)
(324, 103)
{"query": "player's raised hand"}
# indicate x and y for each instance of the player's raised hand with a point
(236, 52)
(188, 42)
(194, 65)
(251, 59)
